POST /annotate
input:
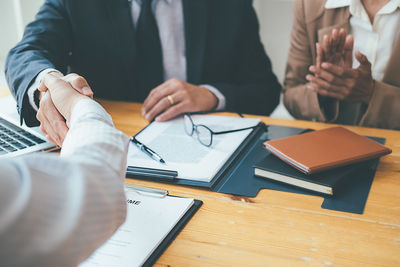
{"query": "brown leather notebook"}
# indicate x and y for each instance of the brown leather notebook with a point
(325, 149)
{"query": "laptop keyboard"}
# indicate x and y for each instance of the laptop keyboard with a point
(14, 138)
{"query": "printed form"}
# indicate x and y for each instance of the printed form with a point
(149, 220)
(184, 153)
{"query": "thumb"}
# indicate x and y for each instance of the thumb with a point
(50, 82)
(364, 62)
(79, 84)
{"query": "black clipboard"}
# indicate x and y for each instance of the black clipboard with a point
(173, 233)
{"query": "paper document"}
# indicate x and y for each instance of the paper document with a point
(149, 220)
(184, 153)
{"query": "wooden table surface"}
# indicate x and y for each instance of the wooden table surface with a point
(279, 228)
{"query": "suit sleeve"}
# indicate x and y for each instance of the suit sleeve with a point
(255, 88)
(383, 108)
(55, 211)
(300, 101)
(45, 45)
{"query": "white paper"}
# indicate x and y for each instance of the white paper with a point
(184, 153)
(149, 220)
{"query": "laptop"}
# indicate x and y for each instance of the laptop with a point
(16, 140)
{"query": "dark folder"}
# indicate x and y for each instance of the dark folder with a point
(237, 175)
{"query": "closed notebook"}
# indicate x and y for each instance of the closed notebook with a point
(326, 182)
(325, 149)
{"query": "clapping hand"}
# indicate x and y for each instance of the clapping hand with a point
(333, 73)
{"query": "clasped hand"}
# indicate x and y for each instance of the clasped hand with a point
(333, 75)
(54, 108)
(164, 102)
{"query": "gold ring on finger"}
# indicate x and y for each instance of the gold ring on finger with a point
(171, 99)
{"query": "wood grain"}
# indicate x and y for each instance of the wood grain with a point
(279, 228)
(284, 229)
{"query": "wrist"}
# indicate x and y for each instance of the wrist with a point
(213, 99)
(56, 73)
(370, 92)
(70, 103)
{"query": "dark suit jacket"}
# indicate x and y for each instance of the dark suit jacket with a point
(95, 38)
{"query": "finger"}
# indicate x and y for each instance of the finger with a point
(348, 51)
(334, 69)
(52, 121)
(42, 129)
(161, 91)
(319, 58)
(172, 112)
(50, 133)
(79, 84)
(155, 97)
(364, 62)
(161, 106)
(55, 74)
(56, 129)
(324, 84)
(42, 87)
(61, 129)
(342, 40)
(330, 77)
(51, 81)
(312, 87)
(327, 45)
(335, 40)
(51, 140)
(151, 99)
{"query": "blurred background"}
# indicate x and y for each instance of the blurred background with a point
(275, 18)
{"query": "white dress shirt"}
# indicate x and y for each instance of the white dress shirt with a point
(55, 211)
(170, 23)
(374, 40)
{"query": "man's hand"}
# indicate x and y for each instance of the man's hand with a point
(52, 123)
(354, 85)
(175, 97)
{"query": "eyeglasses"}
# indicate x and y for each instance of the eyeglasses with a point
(205, 134)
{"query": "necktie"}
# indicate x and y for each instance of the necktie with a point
(149, 53)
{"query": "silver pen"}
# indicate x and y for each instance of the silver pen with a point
(147, 150)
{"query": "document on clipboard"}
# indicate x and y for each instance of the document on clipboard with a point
(153, 220)
(184, 154)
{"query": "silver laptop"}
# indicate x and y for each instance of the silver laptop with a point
(16, 140)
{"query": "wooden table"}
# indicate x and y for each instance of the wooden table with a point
(279, 228)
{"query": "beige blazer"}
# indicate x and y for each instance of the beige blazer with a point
(312, 22)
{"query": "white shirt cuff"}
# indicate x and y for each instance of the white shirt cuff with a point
(220, 97)
(85, 107)
(35, 86)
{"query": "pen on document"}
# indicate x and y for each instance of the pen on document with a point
(147, 150)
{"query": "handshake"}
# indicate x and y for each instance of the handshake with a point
(58, 96)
